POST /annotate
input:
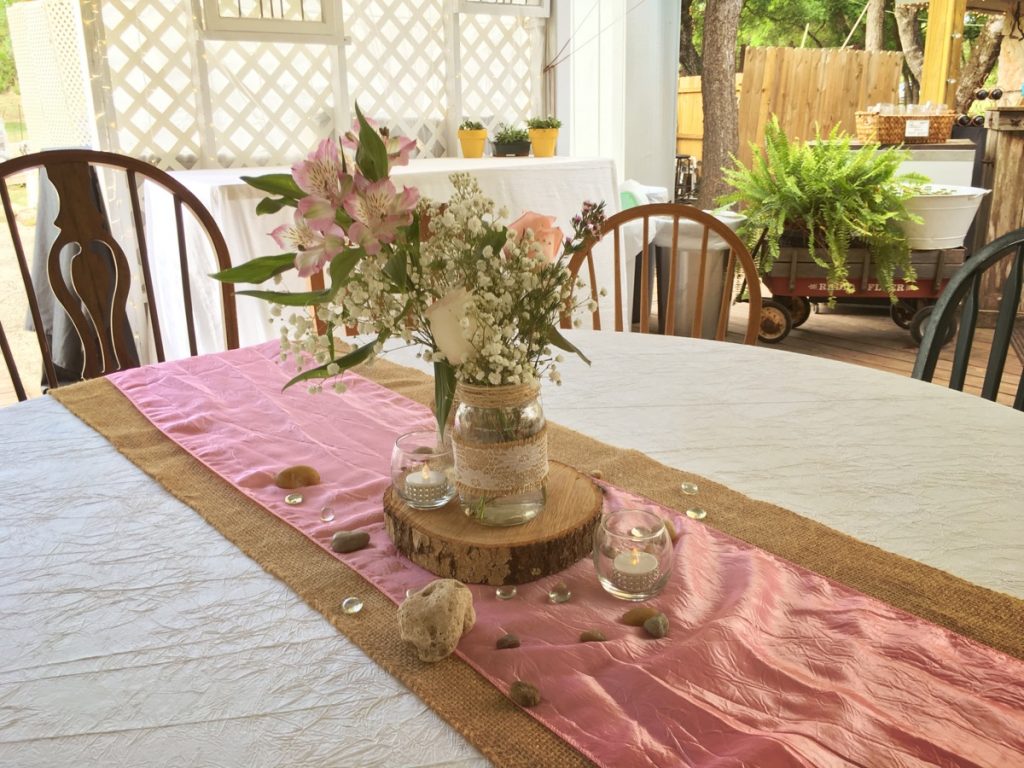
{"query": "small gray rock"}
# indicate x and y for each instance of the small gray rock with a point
(507, 641)
(524, 694)
(657, 625)
(349, 541)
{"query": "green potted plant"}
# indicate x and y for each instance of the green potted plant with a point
(472, 138)
(544, 135)
(833, 201)
(510, 141)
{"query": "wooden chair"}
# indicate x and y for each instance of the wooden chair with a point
(667, 219)
(961, 295)
(96, 295)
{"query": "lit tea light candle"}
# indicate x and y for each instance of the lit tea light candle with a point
(427, 486)
(635, 571)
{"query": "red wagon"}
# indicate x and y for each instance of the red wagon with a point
(796, 282)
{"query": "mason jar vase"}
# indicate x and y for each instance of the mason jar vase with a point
(499, 440)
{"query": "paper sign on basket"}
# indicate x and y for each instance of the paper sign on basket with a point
(916, 128)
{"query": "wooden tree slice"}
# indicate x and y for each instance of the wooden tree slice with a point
(448, 543)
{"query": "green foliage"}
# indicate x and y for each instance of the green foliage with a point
(8, 75)
(471, 125)
(509, 134)
(831, 196)
(544, 122)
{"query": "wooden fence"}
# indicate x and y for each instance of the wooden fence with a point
(812, 87)
(805, 87)
(690, 116)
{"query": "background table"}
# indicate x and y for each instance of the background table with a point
(556, 186)
(134, 634)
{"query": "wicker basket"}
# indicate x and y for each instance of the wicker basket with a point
(893, 129)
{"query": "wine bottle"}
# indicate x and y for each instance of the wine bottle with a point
(995, 94)
(978, 121)
(981, 94)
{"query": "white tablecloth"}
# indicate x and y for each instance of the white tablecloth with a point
(134, 634)
(556, 186)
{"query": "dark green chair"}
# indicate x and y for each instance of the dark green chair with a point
(961, 295)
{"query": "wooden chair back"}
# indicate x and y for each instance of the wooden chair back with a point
(96, 296)
(962, 295)
(668, 217)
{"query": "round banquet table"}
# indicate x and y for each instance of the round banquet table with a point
(134, 634)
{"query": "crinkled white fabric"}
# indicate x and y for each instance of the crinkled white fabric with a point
(132, 633)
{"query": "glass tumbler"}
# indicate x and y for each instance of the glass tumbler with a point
(422, 469)
(633, 554)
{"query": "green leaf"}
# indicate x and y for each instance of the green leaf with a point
(289, 299)
(444, 392)
(273, 205)
(341, 267)
(556, 339)
(276, 184)
(371, 156)
(397, 271)
(350, 360)
(257, 270)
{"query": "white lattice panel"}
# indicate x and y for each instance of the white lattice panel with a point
(496, 69)
(271, 102)
(180, 101)
(396, 66)
(150, 55)
(49, 56)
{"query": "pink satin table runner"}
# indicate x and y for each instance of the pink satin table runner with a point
(766, 663)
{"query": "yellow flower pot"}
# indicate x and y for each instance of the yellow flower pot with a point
(473, 142)
(544, 141)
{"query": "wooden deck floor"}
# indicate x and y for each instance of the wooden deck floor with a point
(870, 338)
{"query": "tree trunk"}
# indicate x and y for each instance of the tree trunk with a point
(873, 26)
(718, 86)
(913, 48)
(689, 59)
(984, 54)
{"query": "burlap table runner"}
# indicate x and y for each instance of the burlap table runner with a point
(502, 732)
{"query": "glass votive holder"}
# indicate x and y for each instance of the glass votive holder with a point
(422, 469)
(633, 554)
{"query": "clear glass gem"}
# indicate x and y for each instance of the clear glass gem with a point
(696, 513)
(327, 514)
(505, 592)
(559, 593)
(293, 499)
(410, 592)
(690, 489)
(351, 605)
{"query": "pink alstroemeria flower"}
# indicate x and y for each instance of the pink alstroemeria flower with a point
(321, 176)
(546, 236)
(378, 211)
(398, 148)
(313, 247)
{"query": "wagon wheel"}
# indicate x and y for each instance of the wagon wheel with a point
(903, 311)
(776, 322)
(800, 309)
(919, 325)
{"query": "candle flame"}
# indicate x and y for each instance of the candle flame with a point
(634, 556)
(425, 471)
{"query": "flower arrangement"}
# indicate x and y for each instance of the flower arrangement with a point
(471, 125)
(483, 298)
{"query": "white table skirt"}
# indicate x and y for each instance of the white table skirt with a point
(134, 634)
(556, 186)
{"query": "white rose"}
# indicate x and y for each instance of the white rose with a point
(445, 317)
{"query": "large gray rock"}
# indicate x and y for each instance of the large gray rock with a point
(434, 618)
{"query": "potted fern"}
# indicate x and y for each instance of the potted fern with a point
(544, 135)
(831, 201)
(472, 138)
(510, 141)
